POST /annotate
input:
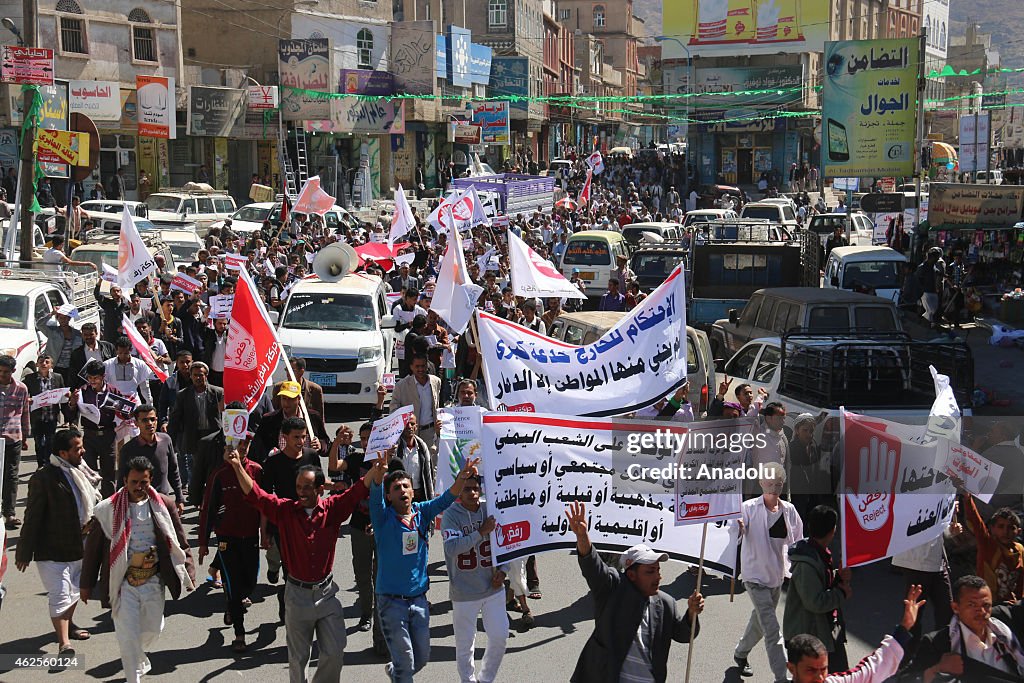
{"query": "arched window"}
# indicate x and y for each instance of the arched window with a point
(598, 16)
(364, 49)
(143, 37)
(497, 14)
(928, 27)
(72, 30)
(942, 35)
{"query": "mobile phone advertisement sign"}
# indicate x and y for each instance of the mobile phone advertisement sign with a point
(869, 112)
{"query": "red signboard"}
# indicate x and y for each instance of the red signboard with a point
(27, 65)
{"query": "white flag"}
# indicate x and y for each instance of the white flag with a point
(437, 218)
(455, 295)
(467, 212)
(402, 222)
(312, 199)
(596, 162)
(134, 262)
(533, 276)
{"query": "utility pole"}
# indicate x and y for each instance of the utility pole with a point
(919, 139)
(28, 143)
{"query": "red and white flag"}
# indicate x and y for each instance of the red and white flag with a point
(533, 276)
(584, 197)
(142, 348)
(596, 162)
(312, 199)
(134, 262)
(252, 351)
(402, 222)
(184, 283)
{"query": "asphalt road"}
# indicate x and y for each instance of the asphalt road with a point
(194, 644)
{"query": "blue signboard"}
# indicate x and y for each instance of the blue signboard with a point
(479, 64)
(459, 40)
(510, 76)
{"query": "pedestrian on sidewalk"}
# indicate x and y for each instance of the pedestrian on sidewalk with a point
(62, 495)
(768, 526)
(135, 549)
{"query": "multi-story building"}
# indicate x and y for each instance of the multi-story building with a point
(936, 25)
(99, 49)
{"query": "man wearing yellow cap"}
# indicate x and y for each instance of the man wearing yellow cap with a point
(268, 436)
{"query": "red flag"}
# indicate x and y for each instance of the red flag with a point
(252, 351)
(286, 207)
(584, 197)
(142, 348)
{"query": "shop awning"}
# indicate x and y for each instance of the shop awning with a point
(943, 153)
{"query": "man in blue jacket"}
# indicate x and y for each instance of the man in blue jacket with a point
(635, 623)
(401, 528)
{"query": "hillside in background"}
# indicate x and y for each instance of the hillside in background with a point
(1004, 19)
(650, 12)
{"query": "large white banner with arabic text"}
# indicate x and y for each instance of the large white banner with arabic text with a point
(634, 364)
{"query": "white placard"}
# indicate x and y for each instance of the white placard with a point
(235, 423)
(979, 475)
(51, 397)
(387, 431)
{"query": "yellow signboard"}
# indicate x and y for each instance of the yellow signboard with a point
(62, 147)
(711, 28)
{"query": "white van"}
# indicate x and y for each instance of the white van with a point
(344, 333)
(993, 177)
(871, 270)
(634, 232)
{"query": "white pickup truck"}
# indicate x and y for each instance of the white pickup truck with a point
(883, 374)
(30, 295)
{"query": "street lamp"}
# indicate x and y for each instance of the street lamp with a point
(689, 80)
(13, 28)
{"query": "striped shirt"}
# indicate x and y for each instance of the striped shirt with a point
(15, 406)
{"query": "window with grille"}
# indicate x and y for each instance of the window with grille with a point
(143, 44)
(143, 37)
(497, 13)
(72, 35)
(564, 14)
(598, 16)
(364, 48)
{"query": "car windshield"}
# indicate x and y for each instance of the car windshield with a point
(699, 218)
(771, 213)
(157, 202)
(872, 274)
(13, 311)
(183, 252)
(93, 256)
(655, 265)
(826, 224)
(255, 214)
(330, 312)
(587, 253)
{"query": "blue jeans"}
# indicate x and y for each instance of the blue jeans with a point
(406, 627)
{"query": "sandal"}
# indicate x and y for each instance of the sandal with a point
(213, 581)
(238, 645)
(75, 633)
(12, 523)
(535, 594)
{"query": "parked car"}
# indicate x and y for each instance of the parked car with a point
(634, 232)
(857, 227)
(194, 202)
(774, 311)
(594, 253)
(774, 212)
(653, 263)
(708, 215)
(869, 270)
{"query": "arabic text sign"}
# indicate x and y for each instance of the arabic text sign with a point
(186, 284)
(535, 466)
(304, 63)
(354, 115)
(510, 76)
(220, 305)
(705, 497)
(214, 112)
(387, 431)
(62, 147)
(50, 398)
(975, 136)
(985, 206)
(895, 499)
(53, 115)
(157, 107)
(460, 439)
(99, 100)
(492, 117)
(870, 108)
(979, 474)
(27, 65)
(742, 79)
(643, 357)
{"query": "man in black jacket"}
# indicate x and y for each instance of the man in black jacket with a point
(980, 645)
(635, 622)
(92, 348)
(44, 419)
(196, 413)
(112, 309)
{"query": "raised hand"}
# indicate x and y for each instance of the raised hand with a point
(723, 387)
(873, 498)
(911, 606)
(576, 513)
(375, 475)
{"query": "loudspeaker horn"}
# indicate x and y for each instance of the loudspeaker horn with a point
(335, 261)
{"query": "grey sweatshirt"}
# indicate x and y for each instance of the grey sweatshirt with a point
(467, 554)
